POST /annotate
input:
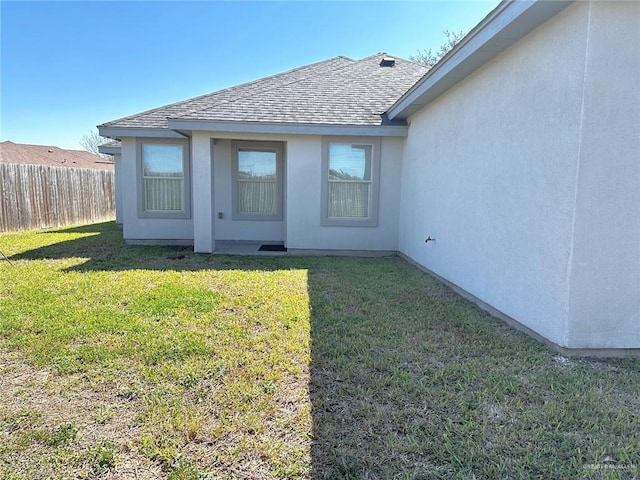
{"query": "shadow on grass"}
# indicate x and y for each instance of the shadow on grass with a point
(103, 249)
(409, 380)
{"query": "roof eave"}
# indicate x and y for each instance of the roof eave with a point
(110, 150)
(288, 128)
(120, 132)
(505, 25)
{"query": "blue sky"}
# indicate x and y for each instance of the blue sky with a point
(68, 66)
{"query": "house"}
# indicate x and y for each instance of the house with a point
(49, 155)
(511, 169)
(266, 139)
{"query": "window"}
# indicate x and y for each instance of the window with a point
(350, 183)
(257, 181)
(164, 179)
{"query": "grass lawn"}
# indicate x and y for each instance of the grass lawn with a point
(130, 362)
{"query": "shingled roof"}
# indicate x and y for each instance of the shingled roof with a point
(49, 155)
(338, 91)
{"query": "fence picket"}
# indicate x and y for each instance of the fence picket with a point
(37, 196)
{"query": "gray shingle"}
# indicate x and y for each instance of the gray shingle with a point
(339, 91)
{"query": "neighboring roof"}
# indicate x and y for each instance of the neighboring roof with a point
(505, 25)
(48, 155)
(338, 91)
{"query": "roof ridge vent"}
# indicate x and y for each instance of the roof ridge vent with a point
(387, 61)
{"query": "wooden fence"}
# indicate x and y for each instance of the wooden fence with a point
(39, 196)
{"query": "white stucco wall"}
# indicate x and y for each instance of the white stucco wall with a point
(117, 174)
(304, 180)
(490, 171)
(212, 154)
(144, 229)
(227, 228)
(300, 228)
(202, 195)
(604, 304)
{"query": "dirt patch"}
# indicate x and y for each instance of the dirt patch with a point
(34, 401)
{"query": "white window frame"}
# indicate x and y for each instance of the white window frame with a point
(276, 147)
(186, 180)
(374, 193)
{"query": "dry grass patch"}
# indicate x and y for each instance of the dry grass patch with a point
(53, 425)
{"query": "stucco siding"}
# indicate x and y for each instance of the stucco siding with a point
(604, 308)
(226, 228)
(303, 191)
(143, 229)
(302, 185)
(117, 168)
(489, 171)
(304, 181)
(202, 194)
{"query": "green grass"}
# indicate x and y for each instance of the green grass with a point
(153, 362)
